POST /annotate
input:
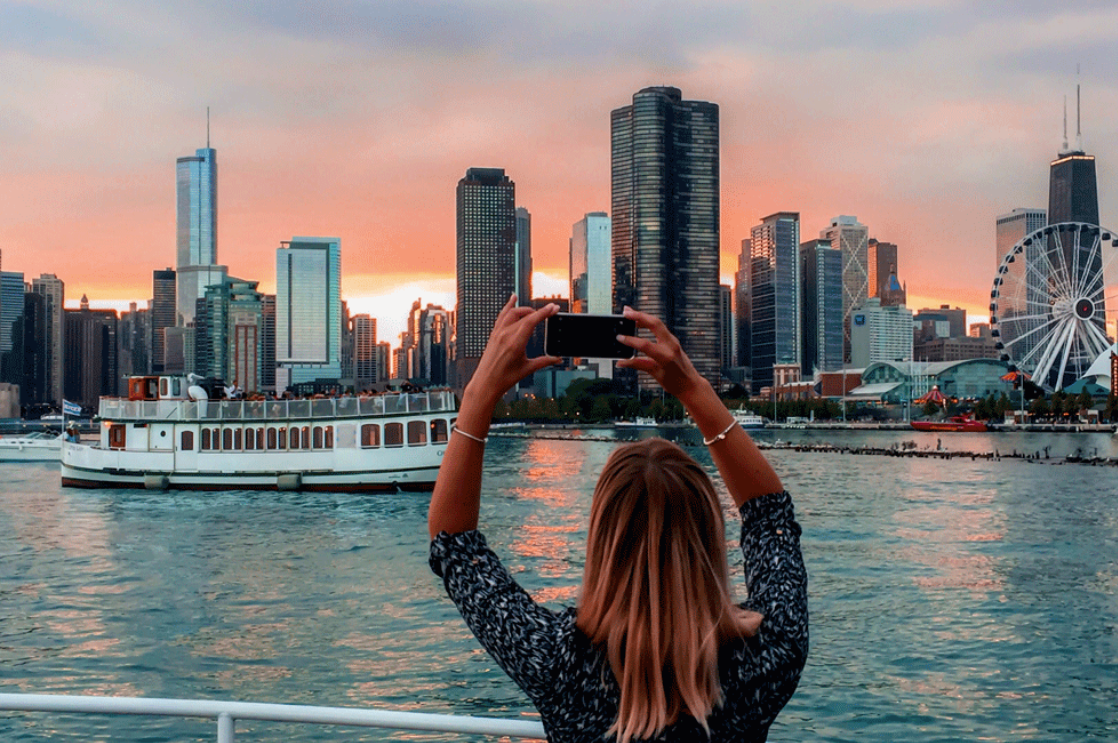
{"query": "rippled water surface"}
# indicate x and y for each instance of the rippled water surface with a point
(950, 599)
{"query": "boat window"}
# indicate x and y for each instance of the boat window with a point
(329, 440)
(370, 436)
(250, 438)
(439, 431)
(207, 444)
(393, 434)
(282, 443)
(163, 386)
(238, 438)
(176, 387)
(417, 433)
(187, 441)
(316, 442)
(259, 438)
(306, 437)
(227, 439)
(116, 436)
(293, 437)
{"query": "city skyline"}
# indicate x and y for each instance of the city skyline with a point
(920, 120)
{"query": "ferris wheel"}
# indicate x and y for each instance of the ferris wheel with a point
(1054, 302)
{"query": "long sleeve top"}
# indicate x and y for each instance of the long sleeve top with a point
(568, 679)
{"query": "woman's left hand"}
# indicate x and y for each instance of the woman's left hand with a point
(505, 361)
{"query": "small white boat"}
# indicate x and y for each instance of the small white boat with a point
(748, 420)
(639, 422)
(37, 446)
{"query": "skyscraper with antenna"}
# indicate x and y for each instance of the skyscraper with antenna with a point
(1072, 189)
(196, 236)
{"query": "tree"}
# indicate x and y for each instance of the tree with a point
(1040, 408)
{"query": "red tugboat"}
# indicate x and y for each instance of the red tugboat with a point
(954, 423)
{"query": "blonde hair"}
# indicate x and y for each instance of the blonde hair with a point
(655, 591)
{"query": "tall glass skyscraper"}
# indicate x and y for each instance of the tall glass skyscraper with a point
(196, 235)
(308, 311)
(775, 293)
(54, 291)
(821, 276)
(486, 260)
(591, 265)
(665, 212)
(523, 257)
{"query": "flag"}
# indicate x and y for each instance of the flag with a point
(71, 408)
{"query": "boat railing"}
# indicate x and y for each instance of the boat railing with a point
(225, 714)
(432, 401)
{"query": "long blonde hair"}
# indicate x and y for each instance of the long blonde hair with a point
(655, 591)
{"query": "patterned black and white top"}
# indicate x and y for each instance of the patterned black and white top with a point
(567, 678)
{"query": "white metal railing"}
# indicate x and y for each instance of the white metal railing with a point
(432, 401)
(227, 713)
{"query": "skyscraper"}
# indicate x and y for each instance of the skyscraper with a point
(91, 369)
(54, 292)
(821, 275)
(364, 352)
(851, 237)
(881, 257)
(486, 260)
(591, 265)
(1072, 190)
(196, 236)
(163, 300)
(308, 311)
(742, 306)
(523, 257)
(775, 294)
(11, 326)
(665, 211)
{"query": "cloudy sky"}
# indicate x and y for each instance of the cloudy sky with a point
(924, 118)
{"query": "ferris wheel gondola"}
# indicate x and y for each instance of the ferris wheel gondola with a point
(1054, 301)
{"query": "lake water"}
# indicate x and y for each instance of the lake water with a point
(950, 599)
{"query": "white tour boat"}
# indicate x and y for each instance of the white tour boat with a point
(164, 436)
(748, 420)
(37, 446)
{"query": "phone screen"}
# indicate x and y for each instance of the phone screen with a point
(574, 335)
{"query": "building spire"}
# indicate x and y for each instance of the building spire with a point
(1064, 149)
(1078, 130)
(208, 128)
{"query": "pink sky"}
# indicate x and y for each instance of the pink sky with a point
(926, 120)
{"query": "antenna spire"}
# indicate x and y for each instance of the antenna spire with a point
(207, 127)
(1065, 147)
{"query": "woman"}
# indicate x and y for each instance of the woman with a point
(655, 648)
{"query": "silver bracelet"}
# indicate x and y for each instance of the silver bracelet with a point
(478, 439)
(719, 437)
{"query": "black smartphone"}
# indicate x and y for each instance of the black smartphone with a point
(571, 334)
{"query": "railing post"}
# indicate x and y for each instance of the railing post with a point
(225, 728)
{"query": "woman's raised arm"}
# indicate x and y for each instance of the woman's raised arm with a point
(744, 469)
(457, 495)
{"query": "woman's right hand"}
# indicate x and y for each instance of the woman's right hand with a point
(663, 358)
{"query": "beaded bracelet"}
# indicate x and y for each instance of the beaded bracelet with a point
(478, 439)
(719, 437)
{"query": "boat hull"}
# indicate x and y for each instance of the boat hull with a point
(950, 427)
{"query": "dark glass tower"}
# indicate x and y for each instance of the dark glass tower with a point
(665, 206)
(162, 313)
(486, 260)
(775, 294)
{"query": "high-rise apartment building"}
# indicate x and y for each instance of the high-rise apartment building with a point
(132, 345)
(12, 290)
(308, 311)
(33, 385)
(268, 342)
(228, 333)
(163, 299)
(364, 333)
(523, 257)
(196, 235)
(53, 291)
(775, 294)
(665, 213)
(486, 260)
(591, 265)
(742, 306)
(91, 362)
(880, 333)
(821, 309)
(726, 330)
(851, 237)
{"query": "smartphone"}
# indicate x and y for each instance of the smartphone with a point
(571, 334)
